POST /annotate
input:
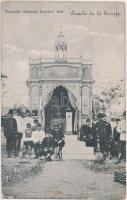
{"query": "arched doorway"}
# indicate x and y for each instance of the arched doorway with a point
(60, 111)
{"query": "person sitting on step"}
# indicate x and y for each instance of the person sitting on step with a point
(48, 146)
(58, 136)
(38, 136)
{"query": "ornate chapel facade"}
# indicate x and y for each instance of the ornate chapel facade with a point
(61, 88)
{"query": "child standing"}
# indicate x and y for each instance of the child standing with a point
(28, 143)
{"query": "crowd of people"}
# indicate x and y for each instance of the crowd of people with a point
(26, 138)
(107, 138)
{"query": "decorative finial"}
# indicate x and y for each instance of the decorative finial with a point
(61, 46)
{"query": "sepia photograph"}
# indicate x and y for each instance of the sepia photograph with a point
(63, 100)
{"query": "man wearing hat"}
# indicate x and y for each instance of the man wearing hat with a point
(10, 134)
(102, 131)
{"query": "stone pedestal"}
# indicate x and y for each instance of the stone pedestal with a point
(86, 102)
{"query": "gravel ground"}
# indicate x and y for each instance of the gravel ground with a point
(69, 179)
(76, 177)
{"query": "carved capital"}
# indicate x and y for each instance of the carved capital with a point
(28, 83)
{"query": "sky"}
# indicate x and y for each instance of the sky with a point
(96, 32)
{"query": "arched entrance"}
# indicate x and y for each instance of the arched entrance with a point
(61, 110)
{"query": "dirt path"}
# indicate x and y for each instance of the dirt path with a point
(69, 179)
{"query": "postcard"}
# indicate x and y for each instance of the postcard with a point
(63, 111)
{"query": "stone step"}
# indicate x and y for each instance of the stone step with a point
(84, 151)
(75, 149)
(78, 157)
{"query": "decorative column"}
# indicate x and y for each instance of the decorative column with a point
(90, 102)
(30, 96)
(40, 102)
(85, 104)
(80, 108)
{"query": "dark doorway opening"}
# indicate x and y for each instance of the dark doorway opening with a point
(58, 106)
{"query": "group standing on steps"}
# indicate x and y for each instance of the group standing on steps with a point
(26, 138)
(107, 138)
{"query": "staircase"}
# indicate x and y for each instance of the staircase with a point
(75, 149)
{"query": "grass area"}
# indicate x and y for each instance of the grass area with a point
(14, 170)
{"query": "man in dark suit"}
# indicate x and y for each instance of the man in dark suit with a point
(102, 130)
(59, 141)
(19, 133)
(10, 134)
(48, 146)
(115, 141)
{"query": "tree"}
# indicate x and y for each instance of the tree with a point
(110, 99)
